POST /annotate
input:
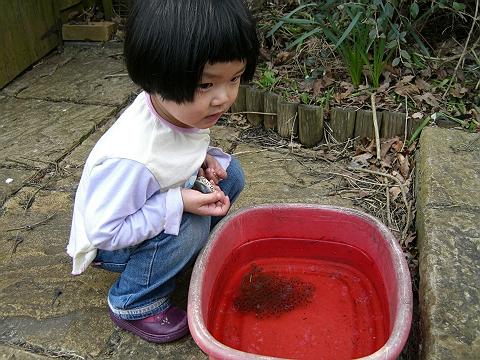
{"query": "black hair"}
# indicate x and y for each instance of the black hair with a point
(168, 43)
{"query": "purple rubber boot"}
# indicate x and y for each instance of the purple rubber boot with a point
(166, 326)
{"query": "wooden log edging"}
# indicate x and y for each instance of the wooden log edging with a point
(342, 123)
(240, 103)
(287, 119)
(310, 124)
(270, 104)
(254, 105)
(307, 121)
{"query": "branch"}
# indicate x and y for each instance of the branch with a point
(31, 227)
(375, 125)
(462, 56)
(250, 112)
(402, 189)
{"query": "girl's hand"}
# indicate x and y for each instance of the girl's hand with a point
(213, 204)
(212, 170)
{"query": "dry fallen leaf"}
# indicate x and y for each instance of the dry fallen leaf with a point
(361, 160)
(404, 165)
(264, 54)
(348, 91)
(426, 73)
(407, 89)
(386, 145)
(320, 84)
(283, 57)
(441, 74)
(384, 87)
(398, 176)
(458, 91)
(387, 161)
(406, 79)
(422, 84)
(394, 192)
(429, 98)
(410, 239)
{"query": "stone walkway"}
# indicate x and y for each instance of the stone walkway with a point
(51, 118)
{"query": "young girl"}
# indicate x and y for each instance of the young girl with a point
(135, 210)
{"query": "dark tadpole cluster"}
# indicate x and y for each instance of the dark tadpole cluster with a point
(268, 294)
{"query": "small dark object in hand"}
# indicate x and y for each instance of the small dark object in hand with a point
(203, 185)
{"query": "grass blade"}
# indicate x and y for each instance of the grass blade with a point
(348, 30)
(279, 24)
(303, 37)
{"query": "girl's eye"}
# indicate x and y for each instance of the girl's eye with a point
(235, 79)
(204, 86)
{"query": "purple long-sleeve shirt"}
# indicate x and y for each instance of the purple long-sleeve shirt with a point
(127, 208)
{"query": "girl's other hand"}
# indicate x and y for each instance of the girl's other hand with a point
(213, 204)
(212, 170)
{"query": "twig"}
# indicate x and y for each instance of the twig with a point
(251, 112)
(51, 163)
(23, 163)
(355, 179)
(32, 226)
(445, 59)
(249, 152)
(38, 160)
(291, 130)
(114, 76)
(469, 146)
(387, 193)
(345, 191)
(404, 196)
(30, 201)
(406, 125)
(462, 56)
(116, 54)
(375, 125)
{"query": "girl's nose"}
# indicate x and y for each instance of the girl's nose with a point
(222, 96)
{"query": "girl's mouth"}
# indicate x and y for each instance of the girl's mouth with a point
(215, 117)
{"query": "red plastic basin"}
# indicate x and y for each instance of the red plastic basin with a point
(361, 306)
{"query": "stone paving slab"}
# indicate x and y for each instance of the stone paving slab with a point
(448, 218)
(36, 134)
(44, 111)
(44, 130)
(275, 177)
(45, 67)
(96, 76)
(12, 180)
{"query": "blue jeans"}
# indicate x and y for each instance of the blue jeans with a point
(148, 270)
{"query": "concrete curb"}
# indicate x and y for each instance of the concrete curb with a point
(448, 210)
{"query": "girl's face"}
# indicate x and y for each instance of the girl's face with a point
(215, 94)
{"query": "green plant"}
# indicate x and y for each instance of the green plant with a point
(360, 32)
(352, 45)
(267, 79)
(378, 62)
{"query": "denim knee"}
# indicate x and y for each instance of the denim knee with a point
(235, 182)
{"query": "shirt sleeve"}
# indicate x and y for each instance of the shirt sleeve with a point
(124, 205)
(222, 158)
